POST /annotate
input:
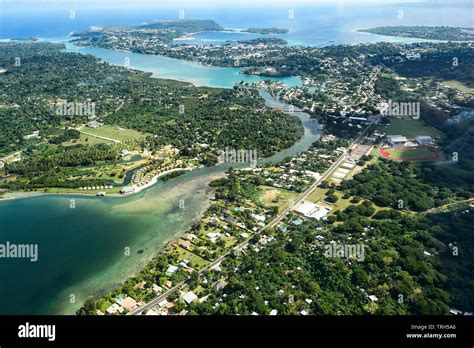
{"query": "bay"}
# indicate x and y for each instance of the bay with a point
(176, 69)
(82, 250)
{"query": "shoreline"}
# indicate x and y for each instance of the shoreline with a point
(153, 181)
(139, 266)
(137, 189)
(401, 38)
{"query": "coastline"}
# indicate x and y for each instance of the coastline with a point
(153, 181)
(128, 270)
(158, 202)
(401, 39)
(137, 189)
(21, 195)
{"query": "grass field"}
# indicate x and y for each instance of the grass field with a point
(459, 86)
(113, 132)
(409, 128)
(197, 261)
(103, 305)
(409, 153)
(319, 194)
(86, 140)
(274, 197)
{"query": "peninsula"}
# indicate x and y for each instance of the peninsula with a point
(422, 32)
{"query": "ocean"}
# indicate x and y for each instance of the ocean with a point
(316, 25)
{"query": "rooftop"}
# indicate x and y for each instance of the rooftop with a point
(190, 297)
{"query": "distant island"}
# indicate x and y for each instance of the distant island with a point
(428, 33)
(265, 31)
(184, 25)
(264, 41)
(24, 39)
(161, 32)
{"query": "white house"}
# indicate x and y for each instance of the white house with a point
(171, 269)
(312, 210)
(189, 297)
(114, 309)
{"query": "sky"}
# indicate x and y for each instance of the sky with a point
(7, 6)
(187, 3)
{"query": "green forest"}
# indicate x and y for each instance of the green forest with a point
(412, 264)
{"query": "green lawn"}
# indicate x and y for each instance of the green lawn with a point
(410, 153)
(86, 140)
(103, 305)
(409, 128)
(113, 132)
(41, 150)
(195, 260)
(459, 86)
(319, 194)
(274, 197)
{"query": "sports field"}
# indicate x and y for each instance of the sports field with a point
(410, 153)
(113, 132)
(86, 140)
(409, 128)
(459, 85)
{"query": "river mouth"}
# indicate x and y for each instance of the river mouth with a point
(82, 249)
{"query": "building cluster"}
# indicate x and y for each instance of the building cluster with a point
(402, 141)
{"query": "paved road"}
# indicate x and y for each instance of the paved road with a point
(310, 190)
(272, 223)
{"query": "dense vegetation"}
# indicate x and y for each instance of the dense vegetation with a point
(266, 31)
(69, 134)
(450, 62)
(219, 118)
(184, 25)
(454, 229)
(163, 32)
(195, 120)
(57, 169)
(389, 89)
(389, 184)
(409, 266)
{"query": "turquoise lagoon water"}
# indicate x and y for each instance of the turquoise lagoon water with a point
(175, 69)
